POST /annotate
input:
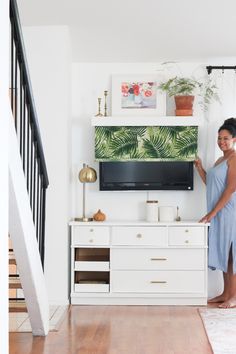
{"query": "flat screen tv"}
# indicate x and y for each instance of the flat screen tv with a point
(143, 175)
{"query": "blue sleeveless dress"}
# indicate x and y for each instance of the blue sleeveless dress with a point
(222, 231)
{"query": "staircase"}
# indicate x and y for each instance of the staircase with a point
(16, 296)
(28, 181)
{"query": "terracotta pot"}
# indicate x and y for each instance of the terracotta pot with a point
(184, 105)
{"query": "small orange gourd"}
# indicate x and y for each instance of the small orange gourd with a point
(99, 216)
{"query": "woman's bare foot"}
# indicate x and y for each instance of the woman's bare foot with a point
(230, 304)
(221, 298)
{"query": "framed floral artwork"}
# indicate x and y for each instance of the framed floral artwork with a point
(137, 95)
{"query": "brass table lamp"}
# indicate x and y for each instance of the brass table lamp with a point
(86, 175)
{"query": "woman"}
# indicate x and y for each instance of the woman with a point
(221, 205)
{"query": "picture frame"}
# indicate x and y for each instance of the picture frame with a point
(138, 95)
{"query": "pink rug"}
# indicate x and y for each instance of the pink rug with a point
(220, 326)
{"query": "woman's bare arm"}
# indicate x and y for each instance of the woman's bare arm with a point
(229, 190)
(200, 169)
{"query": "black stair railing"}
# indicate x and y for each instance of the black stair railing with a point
(27, 128)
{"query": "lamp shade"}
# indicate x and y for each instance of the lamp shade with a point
(87, 175)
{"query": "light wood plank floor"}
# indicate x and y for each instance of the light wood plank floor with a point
(120, 330)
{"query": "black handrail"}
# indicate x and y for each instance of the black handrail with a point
(27, 128)
(15, 20)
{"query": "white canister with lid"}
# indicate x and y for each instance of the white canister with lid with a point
(166, 213)
(152, 210)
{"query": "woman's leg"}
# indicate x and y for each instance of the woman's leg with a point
(226, 292)
(231, 301)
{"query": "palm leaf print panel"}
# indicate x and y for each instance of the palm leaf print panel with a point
(159, 143)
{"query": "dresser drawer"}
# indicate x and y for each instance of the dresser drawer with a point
(184, 236)
(159, 281)
(157, 259)
(87, 235)
(94, 288)
(140, 236)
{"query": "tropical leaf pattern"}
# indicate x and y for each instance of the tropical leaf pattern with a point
(159, 143)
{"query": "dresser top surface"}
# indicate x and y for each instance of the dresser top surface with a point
(138, 223)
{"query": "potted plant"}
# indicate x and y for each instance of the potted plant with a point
(185, 88)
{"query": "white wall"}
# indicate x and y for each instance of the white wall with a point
(5, 116)
(48, 53)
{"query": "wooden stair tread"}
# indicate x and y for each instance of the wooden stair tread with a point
(14, 282)
(17, 306)
(11, 258)
(18, 303)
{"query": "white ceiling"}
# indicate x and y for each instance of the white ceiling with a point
(138, 30)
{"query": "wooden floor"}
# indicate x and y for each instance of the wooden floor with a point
(120, 330)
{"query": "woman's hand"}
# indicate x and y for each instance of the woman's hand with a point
(207, 217)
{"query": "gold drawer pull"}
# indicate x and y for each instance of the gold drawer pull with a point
(158, 282)
(186, 241)
(139, 236)
(186, 230)
(91, 240)
(91, 230)
(158, 259)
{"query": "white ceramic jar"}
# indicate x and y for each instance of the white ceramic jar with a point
(166, 213)
(151, 210)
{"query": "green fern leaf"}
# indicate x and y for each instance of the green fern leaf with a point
(123, 144)
(156, 147)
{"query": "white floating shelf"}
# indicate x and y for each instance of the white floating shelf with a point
(148, 121)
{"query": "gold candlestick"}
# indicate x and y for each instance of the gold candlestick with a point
(105, 104)
(99, 114)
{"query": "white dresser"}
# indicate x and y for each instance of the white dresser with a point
(139, 263)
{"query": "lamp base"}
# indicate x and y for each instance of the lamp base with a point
(83, 219)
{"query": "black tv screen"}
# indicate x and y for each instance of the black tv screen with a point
(145, 175)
